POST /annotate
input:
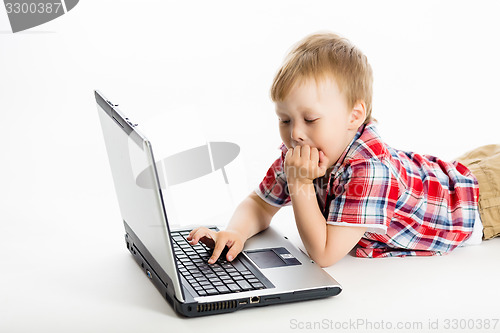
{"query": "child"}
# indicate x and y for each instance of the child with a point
(346, 186)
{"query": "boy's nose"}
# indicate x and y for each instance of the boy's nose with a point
(297, 134)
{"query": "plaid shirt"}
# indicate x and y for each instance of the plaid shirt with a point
(411, 204)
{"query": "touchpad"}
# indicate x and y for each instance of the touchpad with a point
(274, 257)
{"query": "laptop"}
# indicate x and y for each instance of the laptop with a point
(269, 270)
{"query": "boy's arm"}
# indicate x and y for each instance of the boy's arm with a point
(326, 244)
(251, 216)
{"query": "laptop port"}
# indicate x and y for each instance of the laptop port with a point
(149, 274)
(255, 299)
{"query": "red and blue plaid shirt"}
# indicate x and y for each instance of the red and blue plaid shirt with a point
(411, 204)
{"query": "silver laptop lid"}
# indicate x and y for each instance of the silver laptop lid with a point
(141, 207)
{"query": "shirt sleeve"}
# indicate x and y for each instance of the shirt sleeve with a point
(364, 195)
(273, 189)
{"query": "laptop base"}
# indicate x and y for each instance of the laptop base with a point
(192, 308)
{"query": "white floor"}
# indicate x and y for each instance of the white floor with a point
(72, 272)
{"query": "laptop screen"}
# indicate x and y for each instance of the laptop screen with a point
(139, 198)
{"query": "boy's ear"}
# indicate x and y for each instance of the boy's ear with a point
(358, 115)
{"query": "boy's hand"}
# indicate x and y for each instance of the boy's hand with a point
(303, 164)
(218, 241)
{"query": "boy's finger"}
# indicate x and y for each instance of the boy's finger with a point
(289, 154)
(219, 247)
(191, 233)
(191, 237)
(323, 160)
(199, 233)
(305, 152)
(323, 163)
(315, 155)
(234, 251)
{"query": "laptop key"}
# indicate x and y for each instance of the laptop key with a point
(201, 265)
(233, 273)
(222, 289)
(238, 265)
(244, 285)
(258, 285)
(211, 291)
(234, 287)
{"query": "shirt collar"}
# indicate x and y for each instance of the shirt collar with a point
(335, 169)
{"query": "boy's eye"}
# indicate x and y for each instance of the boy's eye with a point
(284, 121)
(310, 120)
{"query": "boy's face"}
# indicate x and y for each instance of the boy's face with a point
(318, 115)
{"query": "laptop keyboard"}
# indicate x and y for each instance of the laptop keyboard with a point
(219, 278)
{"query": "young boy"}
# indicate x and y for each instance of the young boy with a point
(345, 185)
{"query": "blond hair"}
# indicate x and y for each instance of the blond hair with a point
(322, 55)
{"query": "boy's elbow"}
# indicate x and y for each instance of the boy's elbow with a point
(340, 241)
(326, 263)
(326, 260)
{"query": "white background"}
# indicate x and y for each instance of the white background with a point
(196, 71)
